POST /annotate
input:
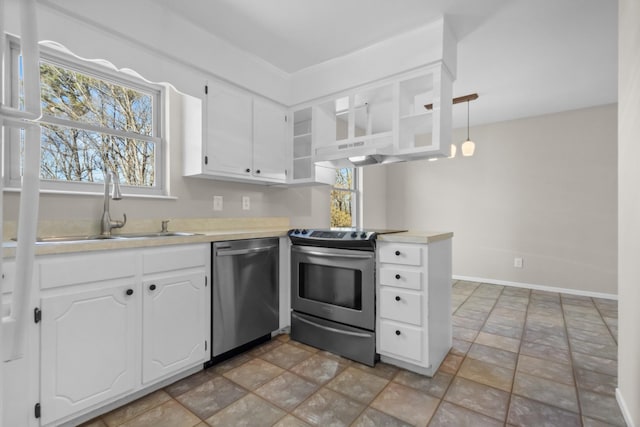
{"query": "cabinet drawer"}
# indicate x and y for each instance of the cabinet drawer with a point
(401, 306)
(400, 340)
(392, 276)
(159, 260)
(401, 254)
(66, 270)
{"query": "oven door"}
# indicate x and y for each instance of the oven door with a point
(334, 284)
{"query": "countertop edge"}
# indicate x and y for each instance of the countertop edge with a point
(411, 236)
(9, 248)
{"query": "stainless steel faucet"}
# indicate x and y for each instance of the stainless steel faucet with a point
(107, 224)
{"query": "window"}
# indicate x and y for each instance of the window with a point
(94, 119)
(343, 198)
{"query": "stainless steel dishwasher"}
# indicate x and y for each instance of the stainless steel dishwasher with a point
(245, 294)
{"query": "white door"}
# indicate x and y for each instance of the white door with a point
(269, 141)
(174, 324)
(229, 131)
(88, 349)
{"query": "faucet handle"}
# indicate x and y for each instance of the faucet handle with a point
(165, 228)
(119, 224)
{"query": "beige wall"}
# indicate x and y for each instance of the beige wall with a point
(629, 211)
(541, 188)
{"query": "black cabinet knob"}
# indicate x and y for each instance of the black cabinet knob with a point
(397, 277)
(152, 287)
(129, 292)
(397, 253)
(397, 332)
(247, 170)
(397, 298)
(258, 171)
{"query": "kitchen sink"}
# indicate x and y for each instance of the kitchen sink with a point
(154, 234)
(71, 239)
(98, 237)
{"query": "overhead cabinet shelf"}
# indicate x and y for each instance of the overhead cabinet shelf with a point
(387, 120)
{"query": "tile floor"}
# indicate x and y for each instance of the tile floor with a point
(519, 358)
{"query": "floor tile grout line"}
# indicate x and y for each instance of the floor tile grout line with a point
(606, 325)
(573, 368)
(515, 370)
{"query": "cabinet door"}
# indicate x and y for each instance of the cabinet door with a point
(270, 152)
(174, 324)
(229, 130)
(88, 349)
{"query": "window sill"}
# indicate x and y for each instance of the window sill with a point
(92, 194)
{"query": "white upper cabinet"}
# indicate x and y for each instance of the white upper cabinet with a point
(304, 170)
(270, 144)
(244, 138)
(228, 131)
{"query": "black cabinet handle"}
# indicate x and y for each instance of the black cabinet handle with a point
(152, 287)
(397, 253)
(247, 170)
(129, 292)
(397, 277)
(397, 332)
(397, 298)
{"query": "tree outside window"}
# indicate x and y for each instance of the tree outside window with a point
(94, 119)
(81, 113)
(343, 198)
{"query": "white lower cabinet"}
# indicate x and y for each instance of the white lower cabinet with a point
(114, 323)
(413, 304)
(174, 324)
(88, 349)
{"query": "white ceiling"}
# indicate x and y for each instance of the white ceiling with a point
(523, 57)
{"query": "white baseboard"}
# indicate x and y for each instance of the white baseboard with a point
(624, 409)
(538, 287)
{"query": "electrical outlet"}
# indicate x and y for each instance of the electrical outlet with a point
(217, 203)
(246, 203)
(517, 262)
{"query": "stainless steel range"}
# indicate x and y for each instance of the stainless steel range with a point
(333, 290)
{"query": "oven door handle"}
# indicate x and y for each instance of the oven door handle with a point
(330, 255)
(231, 252)
(330, 329)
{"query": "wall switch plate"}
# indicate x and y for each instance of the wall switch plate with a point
(217, 203)
(517, 262)
(246, 203)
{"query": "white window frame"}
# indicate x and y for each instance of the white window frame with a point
(99, 70)
(356, 217)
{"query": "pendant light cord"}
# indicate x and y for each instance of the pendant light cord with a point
(468, 139)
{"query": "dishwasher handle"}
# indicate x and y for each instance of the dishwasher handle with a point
(234, 252)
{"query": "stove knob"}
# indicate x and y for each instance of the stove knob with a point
(364, 234)
(305, 231)
(296, 231)
(354, 234)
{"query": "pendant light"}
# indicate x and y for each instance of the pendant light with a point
(468, 147)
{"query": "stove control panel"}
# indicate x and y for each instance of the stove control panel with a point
(333, 234)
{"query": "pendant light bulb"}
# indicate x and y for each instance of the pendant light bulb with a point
(468, 147)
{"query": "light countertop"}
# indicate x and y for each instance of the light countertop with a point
(207, 230)
(415, 236)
